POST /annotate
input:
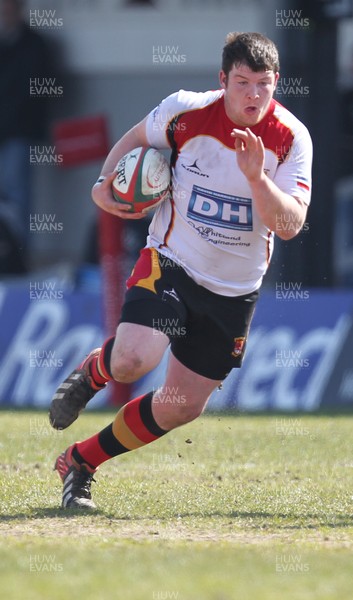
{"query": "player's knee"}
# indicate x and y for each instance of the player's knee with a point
(127, 368)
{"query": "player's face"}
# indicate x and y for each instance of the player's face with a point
(247, 94)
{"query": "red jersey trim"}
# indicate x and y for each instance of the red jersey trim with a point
(212, 121)
(303, 185)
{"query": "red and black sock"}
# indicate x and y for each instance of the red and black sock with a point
(133, 427)
(99, 366)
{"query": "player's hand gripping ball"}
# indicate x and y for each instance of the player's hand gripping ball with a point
(142, 179)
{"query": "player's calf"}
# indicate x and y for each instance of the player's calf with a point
(174, 410)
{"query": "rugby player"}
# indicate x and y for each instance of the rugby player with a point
(241, 172)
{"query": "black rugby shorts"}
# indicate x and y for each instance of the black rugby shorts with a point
(207, 331)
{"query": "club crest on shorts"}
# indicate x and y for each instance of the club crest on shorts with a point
(238, 346)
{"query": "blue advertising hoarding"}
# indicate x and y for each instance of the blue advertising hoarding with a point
(46, 330)
(291, 360)
(292, 353)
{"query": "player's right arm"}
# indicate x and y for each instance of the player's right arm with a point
(151, 131)
(102, 192)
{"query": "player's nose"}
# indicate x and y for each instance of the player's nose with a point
(253, 91)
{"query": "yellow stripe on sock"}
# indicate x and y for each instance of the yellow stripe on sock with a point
(123, 434)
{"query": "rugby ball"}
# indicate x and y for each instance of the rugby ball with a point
(142, 179)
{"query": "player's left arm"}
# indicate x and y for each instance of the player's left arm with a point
(272, 204)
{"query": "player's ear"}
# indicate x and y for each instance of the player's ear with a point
(223, 79)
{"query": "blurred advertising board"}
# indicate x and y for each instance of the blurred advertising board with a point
(46, 330)
(298, 358)
(294, 351)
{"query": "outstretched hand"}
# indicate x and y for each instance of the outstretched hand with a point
(250, 153)
(103, 196)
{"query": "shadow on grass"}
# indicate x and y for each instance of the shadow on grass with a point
(309, 521)
(52, 513)
(258, 520)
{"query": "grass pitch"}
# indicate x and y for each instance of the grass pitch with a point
(227, 507)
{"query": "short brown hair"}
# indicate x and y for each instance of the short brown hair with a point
(252, 49)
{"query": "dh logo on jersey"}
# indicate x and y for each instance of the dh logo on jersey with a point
(220, 210)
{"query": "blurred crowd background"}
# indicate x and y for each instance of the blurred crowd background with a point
(75, 75)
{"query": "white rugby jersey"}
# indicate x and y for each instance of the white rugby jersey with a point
(210, 226)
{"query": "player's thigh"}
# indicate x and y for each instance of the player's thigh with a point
(137, 350)
(183, 395)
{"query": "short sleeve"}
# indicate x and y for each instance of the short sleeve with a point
(159, 118)
(170, 108)
(293, 176)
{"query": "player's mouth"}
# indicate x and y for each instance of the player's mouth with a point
(251, 110)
